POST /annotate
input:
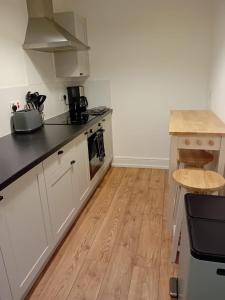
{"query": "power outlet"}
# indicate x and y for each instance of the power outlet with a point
(63, 98)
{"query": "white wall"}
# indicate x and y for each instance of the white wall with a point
(21, 71)
(217, 103)
(147, 57)
(155, 56)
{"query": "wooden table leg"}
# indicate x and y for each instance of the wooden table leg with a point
(221, 162)
(172, 186)
(177, 226)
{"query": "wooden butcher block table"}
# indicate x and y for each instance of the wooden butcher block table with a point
(195, 129)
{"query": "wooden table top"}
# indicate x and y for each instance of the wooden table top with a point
(183, 122)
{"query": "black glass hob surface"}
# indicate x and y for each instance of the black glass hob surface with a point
(65, 119)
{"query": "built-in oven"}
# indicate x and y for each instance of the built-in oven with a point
(96, 149)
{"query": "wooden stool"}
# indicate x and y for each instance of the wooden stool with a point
(194, 158)
(187, 158)
(191, 180)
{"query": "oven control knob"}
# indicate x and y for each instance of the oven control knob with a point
(91, 131)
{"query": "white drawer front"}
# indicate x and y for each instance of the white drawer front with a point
(59, 160)
(199, 142)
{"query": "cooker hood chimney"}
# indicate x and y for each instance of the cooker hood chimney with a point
(44, 34)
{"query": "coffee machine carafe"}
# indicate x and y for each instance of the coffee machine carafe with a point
(77, 103)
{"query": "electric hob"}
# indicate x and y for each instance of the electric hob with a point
(65, 119)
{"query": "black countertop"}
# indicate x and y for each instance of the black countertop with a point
(19, 153)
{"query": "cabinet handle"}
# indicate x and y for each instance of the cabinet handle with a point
(60, 152)
(99, 124)
(81, 74)
(199, 142)
(72, 162)
(1, 198)
(103, 120)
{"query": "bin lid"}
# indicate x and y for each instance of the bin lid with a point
(205, 206)
(206, 226)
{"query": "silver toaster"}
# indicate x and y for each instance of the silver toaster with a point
(26, 120)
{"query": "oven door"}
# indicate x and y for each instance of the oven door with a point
(96, 152)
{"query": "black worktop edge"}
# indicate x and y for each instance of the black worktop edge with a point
(40, 159)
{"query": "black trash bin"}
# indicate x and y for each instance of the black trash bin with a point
(201, 274)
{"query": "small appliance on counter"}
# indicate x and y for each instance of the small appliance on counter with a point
(78, 104)
(78, 113)
(29, 119)
(201, 272)
(25, 121)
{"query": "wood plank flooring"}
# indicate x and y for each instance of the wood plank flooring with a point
(119, 247)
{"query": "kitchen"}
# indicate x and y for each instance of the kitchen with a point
(74, 229)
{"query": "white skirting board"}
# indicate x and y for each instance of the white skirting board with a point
(140, 162)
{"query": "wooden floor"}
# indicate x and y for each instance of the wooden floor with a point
(119, 248)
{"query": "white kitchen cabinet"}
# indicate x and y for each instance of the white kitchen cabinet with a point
(38, 209)
(61, 176)
(83, 166)
(5, 293)
(107, 126)
(72, 63)
(25, 235)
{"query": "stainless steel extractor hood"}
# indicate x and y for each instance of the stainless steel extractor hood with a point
(44, 34)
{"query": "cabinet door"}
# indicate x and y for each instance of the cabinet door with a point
(5, 293)
(72, 63)
(62, 198)
(107, 125)
(83, 166)
(83, 63)
(25, 235)
(80, 24)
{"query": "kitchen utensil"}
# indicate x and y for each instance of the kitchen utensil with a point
(36, 100)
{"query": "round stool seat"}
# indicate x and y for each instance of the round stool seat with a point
(198, 158)
(199, 180)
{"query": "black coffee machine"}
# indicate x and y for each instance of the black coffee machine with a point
(77, 104)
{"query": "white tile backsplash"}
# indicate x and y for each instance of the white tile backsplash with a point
(98, 92)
